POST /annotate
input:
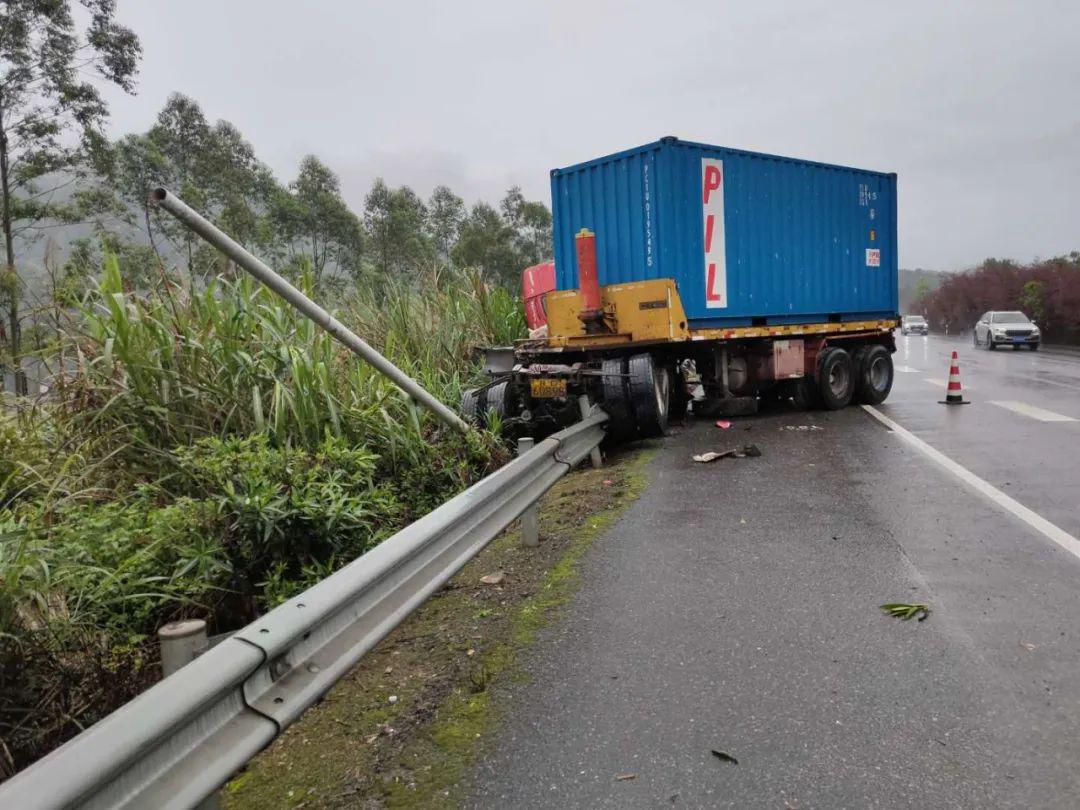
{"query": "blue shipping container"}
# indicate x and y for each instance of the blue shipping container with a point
(745, 236)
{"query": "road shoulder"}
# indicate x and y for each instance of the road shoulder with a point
(404, 727)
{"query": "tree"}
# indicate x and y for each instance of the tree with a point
(1033, 301)
(922, 287)
(531, 226)
(314, 217)
(182, 136)
(138, 166)
(51, 117)
(487, 243)
(446, 213)
(396, 224)
(212, 168)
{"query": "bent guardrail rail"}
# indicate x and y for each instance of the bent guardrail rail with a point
(183, 738)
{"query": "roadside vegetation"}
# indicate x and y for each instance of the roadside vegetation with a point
(206, 452)
(1048, 291)
(174, 442)
(448, 669)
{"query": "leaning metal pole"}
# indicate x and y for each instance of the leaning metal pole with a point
(175, 206)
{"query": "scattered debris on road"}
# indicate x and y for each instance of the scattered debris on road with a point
(802, 427)
(723, 424)
(493, 579)
(747, 451)
(905, 611)
(625, 777)
(723, 756)
(1027, 645)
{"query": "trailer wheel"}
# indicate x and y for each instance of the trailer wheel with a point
(617, 398)
(805, 395)
(836, 378)
(873, 374)
(679, 397)
(496, 399)
(470, 405)
(650, 392)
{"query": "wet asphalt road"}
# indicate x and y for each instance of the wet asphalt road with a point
(734, 607)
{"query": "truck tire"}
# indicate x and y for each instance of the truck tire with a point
(679, 397)
(496, 399)
(470, 405)
(805, 395)
(873, 374)
(617, 398)
(650, 390)
(835, 378)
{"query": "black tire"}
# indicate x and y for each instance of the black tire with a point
(650, 390)
(835, 378)
(1033, 346)
(679, 397)
(617, 399)
(975, 337)
(873, 374)
(470, 405)
(990, 342)
(804, 394)
(495, 399)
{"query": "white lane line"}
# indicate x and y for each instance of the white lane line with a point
(945, 384)
(1031, 410)
(1032, 519)
(907, 369)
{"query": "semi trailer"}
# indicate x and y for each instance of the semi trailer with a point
(681, 267)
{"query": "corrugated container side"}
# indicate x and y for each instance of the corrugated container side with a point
(615, 197)
(796, 232)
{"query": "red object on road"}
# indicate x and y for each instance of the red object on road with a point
(723, 424)
(953, 393)
(536, 282)
(588, 281)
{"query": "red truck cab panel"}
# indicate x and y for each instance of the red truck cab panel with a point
(536, 282)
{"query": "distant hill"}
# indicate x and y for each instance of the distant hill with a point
(914, 282)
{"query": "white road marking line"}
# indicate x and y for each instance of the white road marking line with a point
(907, 369)
(1031, 410)
(1017, 509)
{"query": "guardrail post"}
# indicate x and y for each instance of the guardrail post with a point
(181, 643)
(595, 458)
(530, 518)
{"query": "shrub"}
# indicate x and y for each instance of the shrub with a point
(209, 454)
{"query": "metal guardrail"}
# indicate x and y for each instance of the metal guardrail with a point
(181, 740)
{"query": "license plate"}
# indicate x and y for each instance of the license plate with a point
(547, 388)
(1019, 339)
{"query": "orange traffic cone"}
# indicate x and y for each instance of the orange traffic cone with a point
(953, 395)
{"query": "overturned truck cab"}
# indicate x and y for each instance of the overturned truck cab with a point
(685, 272)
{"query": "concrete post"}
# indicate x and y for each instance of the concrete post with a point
(181, 643)
(595, 458)
(530, 518)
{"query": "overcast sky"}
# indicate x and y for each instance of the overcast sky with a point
(976, 105)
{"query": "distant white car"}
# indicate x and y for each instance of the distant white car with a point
(914, 325)
(1007, 329)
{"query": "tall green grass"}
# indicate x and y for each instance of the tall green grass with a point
(208, 453)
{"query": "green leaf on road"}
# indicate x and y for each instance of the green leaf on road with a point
(905, 611)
